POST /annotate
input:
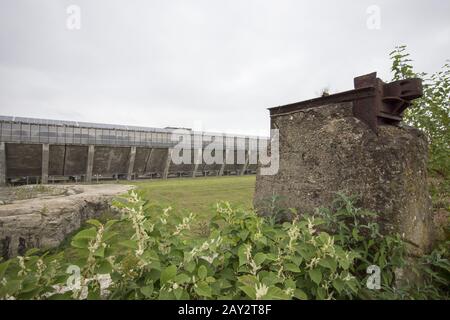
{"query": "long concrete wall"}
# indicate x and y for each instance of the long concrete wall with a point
(52, 162)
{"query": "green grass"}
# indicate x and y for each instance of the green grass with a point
(184, 195)
(198, 195)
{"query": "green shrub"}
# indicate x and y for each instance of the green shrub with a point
(319, 256)
(431, 113)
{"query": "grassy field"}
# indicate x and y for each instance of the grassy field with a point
(187, 195)
(199, 195)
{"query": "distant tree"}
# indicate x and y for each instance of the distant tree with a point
(431, 113)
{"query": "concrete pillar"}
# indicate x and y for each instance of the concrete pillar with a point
(197, 161)
(90, 163)
(2, 164)
(147, 160)
(167, 166)
(131, 162)
(247, 159)
(45, 161)
(222, 168)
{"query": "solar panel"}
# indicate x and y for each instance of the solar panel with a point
(106, 126)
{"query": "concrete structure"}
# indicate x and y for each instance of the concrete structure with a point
(46, 219)
(325, 149)
(39, 150)
(2, 163)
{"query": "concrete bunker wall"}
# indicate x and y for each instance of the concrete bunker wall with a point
(325, 150)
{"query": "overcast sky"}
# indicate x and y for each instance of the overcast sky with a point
(218, 62)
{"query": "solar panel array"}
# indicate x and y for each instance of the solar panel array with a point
(21, 129)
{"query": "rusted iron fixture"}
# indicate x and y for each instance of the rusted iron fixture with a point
(374, 102)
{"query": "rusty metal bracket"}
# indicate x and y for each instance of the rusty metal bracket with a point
(374, 102)
(389, 101)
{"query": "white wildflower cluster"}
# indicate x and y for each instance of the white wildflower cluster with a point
(96, 243)
(261, 290)
(289, 292)
(294, 234)
(139, 222)
(164, 247)
(207, 251)
(251, 262)
(349, 277)
(313, 263)
(23, 269)
(328, 247)
(185, 225)
(311, 226)
(165, 215)
(40, 267)
(226, 210)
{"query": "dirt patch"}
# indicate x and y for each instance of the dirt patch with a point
(9, 195)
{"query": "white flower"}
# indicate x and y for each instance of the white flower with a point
(289, 292)
(261, 290)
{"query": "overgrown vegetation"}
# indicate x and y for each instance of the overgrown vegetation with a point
(431, 113)
(245, 256)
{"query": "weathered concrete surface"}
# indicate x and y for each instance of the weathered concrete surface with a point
(23, 160)
(2, 164)
(57, 154)
(45, 222)
(325, 150)
(45, 162)
(76, 160)
(90, 163)
(141, 160)
(157, 161)
(108, 160)
(132, 157)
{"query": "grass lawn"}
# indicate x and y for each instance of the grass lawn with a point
(198, 195)
(184, 195)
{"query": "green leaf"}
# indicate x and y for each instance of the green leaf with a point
(338, 284)
(147, 290)
(31, 252)
(182, 278)
(355, 234)
(329, 263)
(203, 289)
(292, 267)
(94, 222)
(321, 293)
(110, 223)
(178, 292)
(168, 274)
(275, 293)
(104, 267)
(259, 258)
(300, 294)
(90, 234)
(242, 256)
(202, 272)
(100, 252)
(129, 244)
(315, 275)
(249, 291)
(3, 267)
(150, 256)
(190, 266)
(248, 280)
(82, 243)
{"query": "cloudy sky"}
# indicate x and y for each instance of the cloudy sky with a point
(220, 63)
